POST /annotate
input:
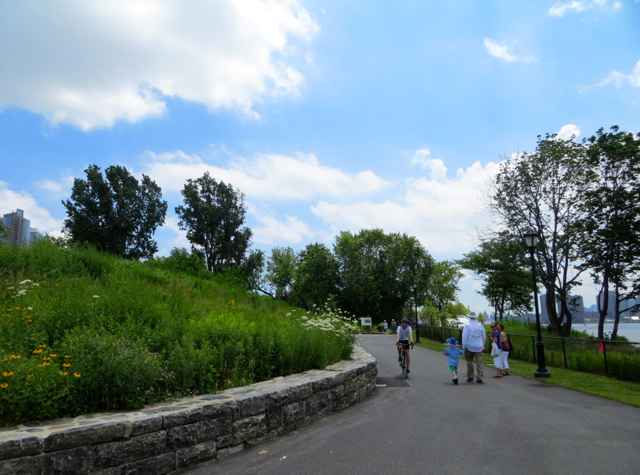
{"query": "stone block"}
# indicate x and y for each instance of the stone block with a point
(300, 392)
(321, 414)
(181, 437)
(20, 446)
(181, 417)
(135, 448)
(230, 451)
(224, 440)
(81, 436)
(20, 466)
(73, 461)
(250, 405)
(152, 466)
(291, 413)
(196, 454)
(145, 424)
(277, 399)
(337, 392)
(220, 407)
(350, 386)
(274, 418)
(249, 428)
(211, 429)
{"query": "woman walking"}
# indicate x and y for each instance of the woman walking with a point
(497, 359)
(505, 350)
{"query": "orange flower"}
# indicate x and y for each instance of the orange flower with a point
(15, 357)
(77, 375)
(66, 365)
(43, 346)
(7, 373)
(37, 351)
(17, 308)
(4, 385)
(29, 320)
(4, 359)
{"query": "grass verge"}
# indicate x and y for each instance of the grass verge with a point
(601, 386)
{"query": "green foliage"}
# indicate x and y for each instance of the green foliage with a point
(280, 271)
(503, 266)
(443, 285)
(139, 333)
(316, 277)
(374, 267)
(213, 215)
(117, 215)
(4, 231)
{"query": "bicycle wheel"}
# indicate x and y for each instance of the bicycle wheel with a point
(404, 364)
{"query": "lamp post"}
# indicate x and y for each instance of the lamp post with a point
(531, 241)
(414, 284)
(399, 294)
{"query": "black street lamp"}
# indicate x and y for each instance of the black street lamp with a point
(531, 241)
(414, 284)
(400, 307)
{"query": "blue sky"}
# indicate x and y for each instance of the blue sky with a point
(328, 116)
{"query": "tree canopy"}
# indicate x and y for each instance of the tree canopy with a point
(115, 213)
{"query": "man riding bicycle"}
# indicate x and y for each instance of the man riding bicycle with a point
(404, 336)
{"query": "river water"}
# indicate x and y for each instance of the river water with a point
(630, 330)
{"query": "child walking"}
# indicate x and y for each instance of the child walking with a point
(453, 352)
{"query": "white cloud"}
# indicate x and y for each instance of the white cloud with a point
(275, 232)
(497, 50)
(558, 9)
(436, 165)
(89, 64)
(568, 131)
(57, 189)
(440, 212)
(39, 217)
(265, 177)
(501, 51)
(180, 240)
(620, 79)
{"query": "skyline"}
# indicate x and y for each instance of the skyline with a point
(328, 117)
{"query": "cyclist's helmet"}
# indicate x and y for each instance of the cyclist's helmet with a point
(405, 320)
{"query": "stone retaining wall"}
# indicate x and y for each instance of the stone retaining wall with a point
(168, 436)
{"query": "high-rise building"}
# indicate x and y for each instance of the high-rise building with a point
(544, 313)
(611, 309)
(20, 231)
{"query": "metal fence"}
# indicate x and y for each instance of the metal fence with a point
(617, 359)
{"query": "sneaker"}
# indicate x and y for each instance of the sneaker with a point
(408, 370)
(469, 380)
(479, 381)
(399, 359)
(455, 380)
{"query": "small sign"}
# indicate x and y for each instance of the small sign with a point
(365, 322)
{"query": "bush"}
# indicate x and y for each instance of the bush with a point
(138, 333)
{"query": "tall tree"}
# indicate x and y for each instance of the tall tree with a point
(316, 277)
(116, 213)
(281, 267)
(502, 264)
(540, 191)
(609, 228)
(213, 216)
(443, 285)
(375, 267)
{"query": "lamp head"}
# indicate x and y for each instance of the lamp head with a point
(531, 239)
(414, 284)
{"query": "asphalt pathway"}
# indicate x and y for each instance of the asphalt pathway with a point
(510, 426)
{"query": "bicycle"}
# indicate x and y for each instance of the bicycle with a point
(403, 360)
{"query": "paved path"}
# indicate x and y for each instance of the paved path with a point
(511, 425)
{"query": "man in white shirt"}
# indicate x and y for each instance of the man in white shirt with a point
(473, 344)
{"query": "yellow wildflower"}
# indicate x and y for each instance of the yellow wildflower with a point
(37, 351)
(77, 375)
(7, 373)
(43, 346)
(66, 365)
(4, 359)
(67, 356)
(29, 320)
(64, 373)
(30, 377)
(15, 357)
(44, 364)
(46, 358)
(4, 385)
(53, 355)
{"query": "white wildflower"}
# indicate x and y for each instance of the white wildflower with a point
(304, 318)
(96, 296)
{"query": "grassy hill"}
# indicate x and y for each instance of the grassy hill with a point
(81, 331)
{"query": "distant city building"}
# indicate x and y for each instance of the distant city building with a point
(611, 303)
(20, 231)
(574, 302)
(544, 314)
